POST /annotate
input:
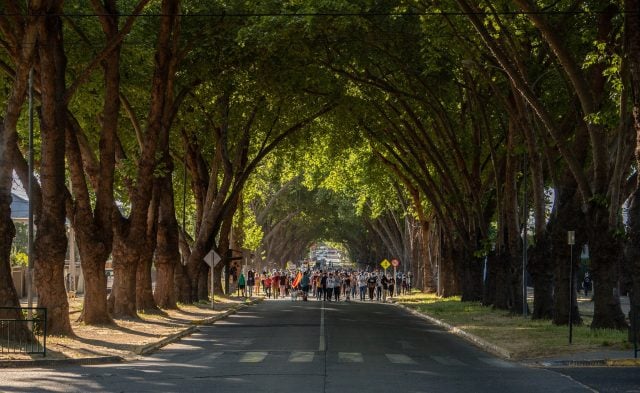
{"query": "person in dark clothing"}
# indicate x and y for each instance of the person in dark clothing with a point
(371, 285)
(323, 285)
(586, 284)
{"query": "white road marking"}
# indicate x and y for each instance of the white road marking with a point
(350, 357)
(447, 361)
(253, 357)
(399, 358)
(497, 362)
(301, 357)
(322, 347)
(213, 355)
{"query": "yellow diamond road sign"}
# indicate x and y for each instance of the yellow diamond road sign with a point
(385, 264)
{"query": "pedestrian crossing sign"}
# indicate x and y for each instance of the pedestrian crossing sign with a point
(385, 264)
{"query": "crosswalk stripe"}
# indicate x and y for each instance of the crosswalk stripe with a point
(301, 357)
(447, 360)
(350, 357)
(399, 358)
(253, 357)
(213, 355)
(497, 362)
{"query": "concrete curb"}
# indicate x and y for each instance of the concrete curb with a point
(499, 351)
(588, 363)
(479, 342)
(152, 347)
(39, 363)
(143, 350)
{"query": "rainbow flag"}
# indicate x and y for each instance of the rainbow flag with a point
(296, 281)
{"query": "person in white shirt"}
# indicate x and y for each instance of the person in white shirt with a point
(331, 286)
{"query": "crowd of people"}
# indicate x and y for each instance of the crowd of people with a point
(334, 285)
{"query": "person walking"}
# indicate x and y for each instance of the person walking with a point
(266, 286)
(331, 283)
(586, 284)
(362, 285)
(323, 286)
(371, 285)
(304, 284)
(283, 284)
(251, 281)
(241, 285)
(275, 284)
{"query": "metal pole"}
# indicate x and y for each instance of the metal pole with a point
(184, 206)
(571, 294)
(525, 241)
(212, 290)
(571, 240)
(30, 197)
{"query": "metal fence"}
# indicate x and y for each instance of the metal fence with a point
(24, 334)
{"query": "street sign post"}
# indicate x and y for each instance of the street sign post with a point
(395, 264)
(385, 264)
(212, 259)
(571, 240)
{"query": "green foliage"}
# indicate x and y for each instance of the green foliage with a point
(19, 259)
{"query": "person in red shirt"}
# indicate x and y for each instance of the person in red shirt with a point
(266, 283)
(275, 284)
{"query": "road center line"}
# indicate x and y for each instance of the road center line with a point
(322, 347)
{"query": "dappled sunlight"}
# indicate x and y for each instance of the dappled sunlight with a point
(522, 337)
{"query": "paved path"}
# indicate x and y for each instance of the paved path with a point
(284, 346)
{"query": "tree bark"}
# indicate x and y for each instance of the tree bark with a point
(632, 33)
(8, 140)
(541, 269)
(130, 234)
(568, 217)
(167, 255)
(145, 301)
(605, 251)
(51, 240)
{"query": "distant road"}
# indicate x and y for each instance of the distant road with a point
(307, 347)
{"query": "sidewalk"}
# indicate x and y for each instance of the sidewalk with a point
(126, 339)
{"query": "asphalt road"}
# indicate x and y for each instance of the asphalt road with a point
(284, 346)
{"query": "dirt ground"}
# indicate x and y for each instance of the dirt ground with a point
(125, 336)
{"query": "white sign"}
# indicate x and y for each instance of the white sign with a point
(212, 258)
(571, 237)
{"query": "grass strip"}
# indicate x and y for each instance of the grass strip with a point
(524, 338)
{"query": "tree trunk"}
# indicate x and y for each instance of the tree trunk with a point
(167, 256)
(428, 252)
(605, 252)
(144, 286)
(95, 310)
(122, 302)
(51, 240)
(632, 32)
(203, 282)
(181, 285)
(569, 217)
(8, 139)
(541, 270)
(131, 235)
(633, 253)
(449, 284)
